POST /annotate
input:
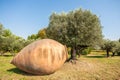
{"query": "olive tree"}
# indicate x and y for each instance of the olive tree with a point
(78, 28)
(42, 33)
(116, 48)
(10, 42)
(109, 46)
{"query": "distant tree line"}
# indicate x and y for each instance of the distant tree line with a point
(10, 42)
(111, 46)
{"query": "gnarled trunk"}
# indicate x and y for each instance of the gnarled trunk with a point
(73, 53)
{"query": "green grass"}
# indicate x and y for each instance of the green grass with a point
(94, 66)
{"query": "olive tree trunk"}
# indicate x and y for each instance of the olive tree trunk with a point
(107, 53)
(73, 53)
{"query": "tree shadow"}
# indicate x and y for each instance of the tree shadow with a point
(5, 55)
(95, 56)
(8, 55)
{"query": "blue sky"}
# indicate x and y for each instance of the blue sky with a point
(26, 17)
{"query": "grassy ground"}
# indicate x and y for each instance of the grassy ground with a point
(94, 66)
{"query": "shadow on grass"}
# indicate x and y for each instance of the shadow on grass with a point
(7, 55)
(18, 71)
(95, 56)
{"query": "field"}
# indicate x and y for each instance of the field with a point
(94, 66)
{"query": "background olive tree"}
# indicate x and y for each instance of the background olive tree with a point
(111, 46)
(10, 42)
